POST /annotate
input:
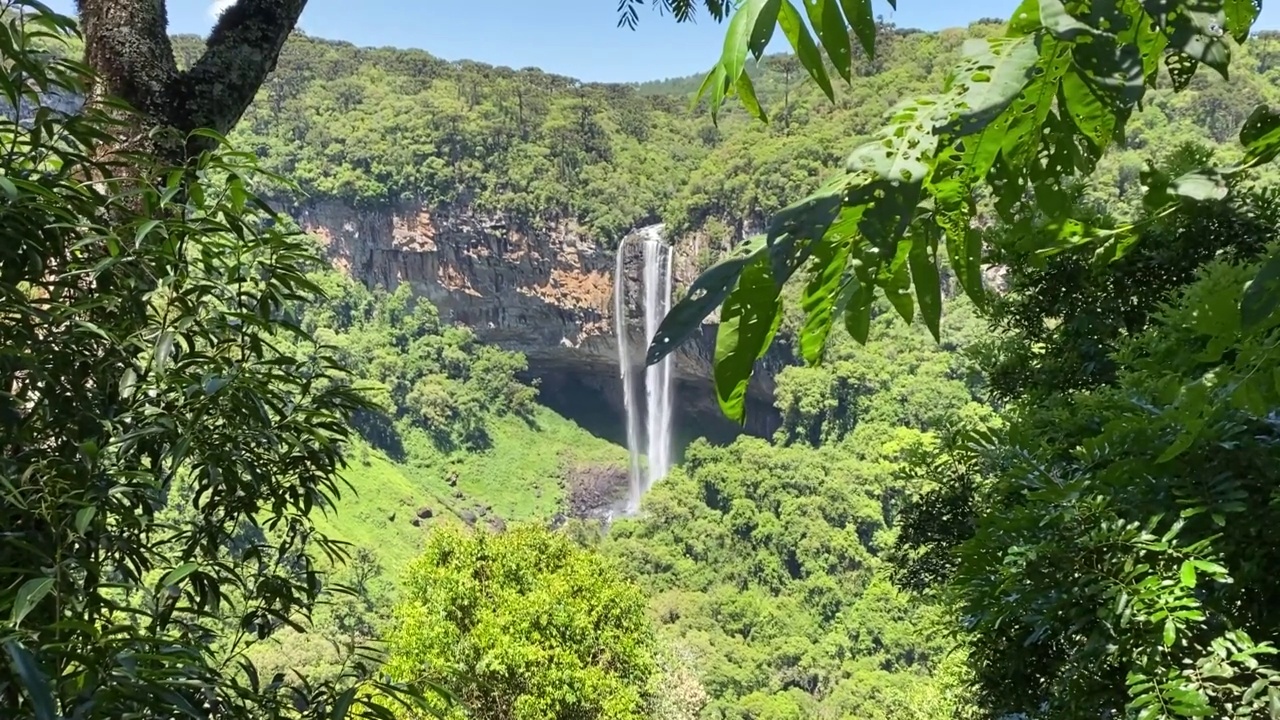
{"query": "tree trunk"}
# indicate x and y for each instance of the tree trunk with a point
(127, 45)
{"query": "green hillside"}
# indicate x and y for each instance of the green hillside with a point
(1047, 502)
(456, 437)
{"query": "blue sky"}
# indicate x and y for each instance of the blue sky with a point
(578, 38)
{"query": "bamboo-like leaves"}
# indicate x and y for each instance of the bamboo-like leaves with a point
(750, 30)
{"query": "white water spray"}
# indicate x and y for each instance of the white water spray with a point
(656, 294)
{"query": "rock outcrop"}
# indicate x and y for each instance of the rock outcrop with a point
(547, 293)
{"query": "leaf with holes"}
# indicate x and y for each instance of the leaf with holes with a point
(1055, 17)
(797, 34)
(1240, 15)
(795, 226)
(748, 322)
(1199, 35)
(706, 293)
(1182, 67)
(1260, 136)
(988, 79)
(1088, 109)
(1028, 111)
(1115, 73)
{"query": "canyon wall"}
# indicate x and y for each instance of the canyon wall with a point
(547, 293)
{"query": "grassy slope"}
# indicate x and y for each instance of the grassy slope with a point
(518, 476)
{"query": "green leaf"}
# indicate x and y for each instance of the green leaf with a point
(1062, 24)
(8, 188)
(1170, 631)
(178, 574)
(806, 220)
(1021, 138)
(1206, 185)
(896, 283)
(750, 30)
(991, 75)
(34, 681)
(84, 516)
(29, 595)
(748, 322)
(342, 705)
(821, 293)
(860, 16)
(797, 34)
(1199, 35)
(747, 92)
(1261, 296)
(855, 303)
(832, 32)
(1026, 19)
(1182, 68)
(1089, 109)
(902, 151)
(704, 296)
(1188, 574)
(1240, 15)
(715, 83)
(144, 230)
(1210, 568)
(1260, 136)
(924, 275)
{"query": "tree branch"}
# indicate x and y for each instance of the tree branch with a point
(242, 49)
(127, 44)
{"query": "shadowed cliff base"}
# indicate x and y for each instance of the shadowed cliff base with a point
(591, 396)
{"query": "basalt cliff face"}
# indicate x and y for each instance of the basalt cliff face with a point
(546, 292)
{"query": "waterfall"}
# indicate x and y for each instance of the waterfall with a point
(655, 293)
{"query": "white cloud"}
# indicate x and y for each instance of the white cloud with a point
(216, 8)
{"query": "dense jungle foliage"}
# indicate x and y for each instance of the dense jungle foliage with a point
(240, 484)
(384, 125)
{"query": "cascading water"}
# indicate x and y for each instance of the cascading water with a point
(655, 292)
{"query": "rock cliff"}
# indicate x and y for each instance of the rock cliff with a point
(547, 293)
